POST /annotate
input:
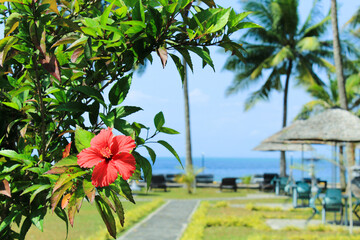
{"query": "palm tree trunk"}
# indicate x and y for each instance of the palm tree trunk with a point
(188, 161)
(342, 168)
(286, 91)
(342, 90)
(337, 57)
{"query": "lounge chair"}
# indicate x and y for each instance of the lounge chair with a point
(332, 202)
(229, 183)
(280, 184)
(267, 183)
(355, 189)
(301, 191)
(205, 178)
(158, 181)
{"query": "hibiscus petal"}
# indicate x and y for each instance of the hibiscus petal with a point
(104, 174)
(122, 144)
(103, 139)
(124, 163)
(89, 157)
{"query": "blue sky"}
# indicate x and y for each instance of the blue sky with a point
(219, 125)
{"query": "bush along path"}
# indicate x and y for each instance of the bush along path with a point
(166, 223)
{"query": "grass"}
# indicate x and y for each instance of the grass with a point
(87, 223)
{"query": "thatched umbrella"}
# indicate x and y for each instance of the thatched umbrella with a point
(333, 125)
(276, 143)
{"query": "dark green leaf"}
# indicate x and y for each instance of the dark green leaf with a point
(9, 219)
(72, 107)
(91, 92)
(159, 120)
(123, 126)
(37, 217)
(203, 54)
(25, 228)
(119, 91)
(124, 111)
(119, 208)
(108, 119)
(171, 149)
(62, 215)
(146, 167)
(179, 66)
(168, 130)
(106, 215)
(151, 153)
(40, 189)
(138, 12)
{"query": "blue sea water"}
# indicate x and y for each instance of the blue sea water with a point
(240, 167)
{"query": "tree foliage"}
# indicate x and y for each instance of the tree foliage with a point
(57, 59)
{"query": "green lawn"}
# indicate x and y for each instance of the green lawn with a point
(87, 222)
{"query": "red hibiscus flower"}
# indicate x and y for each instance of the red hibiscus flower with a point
(110, 155)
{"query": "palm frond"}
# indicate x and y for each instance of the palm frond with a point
(308, 44)
(272, 82)
(312, 108)
(317, 29)
(284, 54)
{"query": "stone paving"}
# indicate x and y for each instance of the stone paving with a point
(166, 223)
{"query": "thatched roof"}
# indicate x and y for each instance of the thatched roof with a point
(333, 125)
(265, 146)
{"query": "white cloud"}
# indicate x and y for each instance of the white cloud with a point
(198, 97)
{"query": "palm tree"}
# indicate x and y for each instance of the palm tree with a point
(282, 48)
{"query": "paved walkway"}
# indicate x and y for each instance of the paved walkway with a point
(166, 223)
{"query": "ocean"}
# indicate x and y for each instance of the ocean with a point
(241, 167)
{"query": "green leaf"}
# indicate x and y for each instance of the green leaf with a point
(91, 92)
(9, 219)
(89, 190)
(108, 119)
(12, 22)
(25, 228)
(138, 12)
(218, 21)
(203, 54)
(40, 189)
(119, 208)
(66, 177)
(104, 17)
(37, 217)
(62, 215)
(82, 138)
(171, 149)
(168, 130)
(248, 25)
(124, 189)
(146, 167)
(106, 215)
(159, 120)
(14, 155)
(72, 107)
(179, 66)
(30, 189)
(124, 111)
(68, 161)
(123, 126)
(120, 89)
(151, 153)
(105, 195)
(185, 53)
